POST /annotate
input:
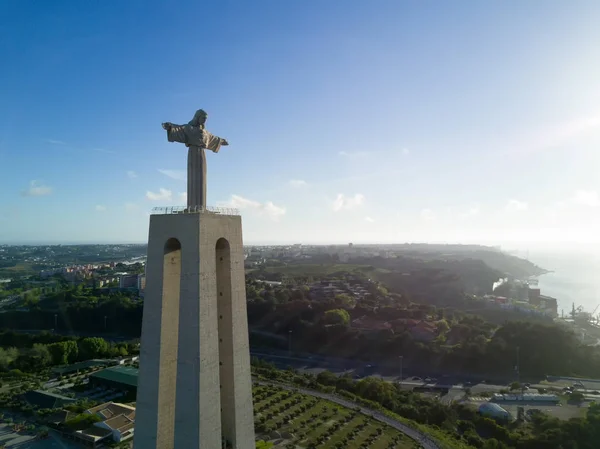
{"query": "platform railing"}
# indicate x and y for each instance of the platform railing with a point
(168, 210)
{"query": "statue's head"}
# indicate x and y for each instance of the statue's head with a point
(199, 118)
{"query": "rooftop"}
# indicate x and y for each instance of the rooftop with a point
(93, 433)
(120, 422)
(111, 410)
(78, 366)
(44, 399)
(122, 374)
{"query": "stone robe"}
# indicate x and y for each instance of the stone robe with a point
(197, 139)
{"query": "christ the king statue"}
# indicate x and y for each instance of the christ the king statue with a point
(197, 139)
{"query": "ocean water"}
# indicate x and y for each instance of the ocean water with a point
(575, 277)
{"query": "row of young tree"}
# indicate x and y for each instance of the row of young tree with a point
(31, 353)
(458, 421)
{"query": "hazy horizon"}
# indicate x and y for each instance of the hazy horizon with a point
(516, 248)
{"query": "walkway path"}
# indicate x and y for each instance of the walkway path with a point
(416, 435)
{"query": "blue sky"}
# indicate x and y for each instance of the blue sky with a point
(385, 121)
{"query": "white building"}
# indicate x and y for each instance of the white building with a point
(494, 411)
(118, 422)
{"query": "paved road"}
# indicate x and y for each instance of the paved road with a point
(316, 364)
(416, 435)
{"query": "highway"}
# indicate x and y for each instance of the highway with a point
(314, 364)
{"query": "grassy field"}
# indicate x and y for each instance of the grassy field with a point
(19, 269)
(321, 269)
(303, 421)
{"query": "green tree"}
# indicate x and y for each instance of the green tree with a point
(442, 326)
(337, 316)
(576, 396)
(327, 378)
(34, 359)
(7, 357)
(63, 352)
(345, 300)
(92, 347)
(82, 421)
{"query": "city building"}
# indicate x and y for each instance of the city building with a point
(117, 422)
(141, 282)
(526, 397)
(128, 281)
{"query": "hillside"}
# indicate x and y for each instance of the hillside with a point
(505, 263)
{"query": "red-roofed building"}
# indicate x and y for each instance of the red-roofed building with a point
(424, 331)
(369, 324)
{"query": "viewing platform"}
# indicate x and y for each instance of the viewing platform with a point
(170, 210)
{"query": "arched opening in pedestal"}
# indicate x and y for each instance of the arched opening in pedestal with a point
(172, 275)
(226, 340)
(169, 323)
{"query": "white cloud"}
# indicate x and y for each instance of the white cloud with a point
(427, 215)
(131, 207)
(369, 220)
(298, 183)
(343, 202)
(55, 142)
(516, 206)
(100, 208)
(405, 151)
(179, 175)
(586, 198)
(268, 208)
(37, 189)
(353, 154)
(162, 195)
(473, 211)
(131, 174)
(182, 196)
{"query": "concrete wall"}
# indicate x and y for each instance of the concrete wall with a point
(156, 382)
(194, 383)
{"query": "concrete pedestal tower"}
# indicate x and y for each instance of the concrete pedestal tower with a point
(194, 386)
